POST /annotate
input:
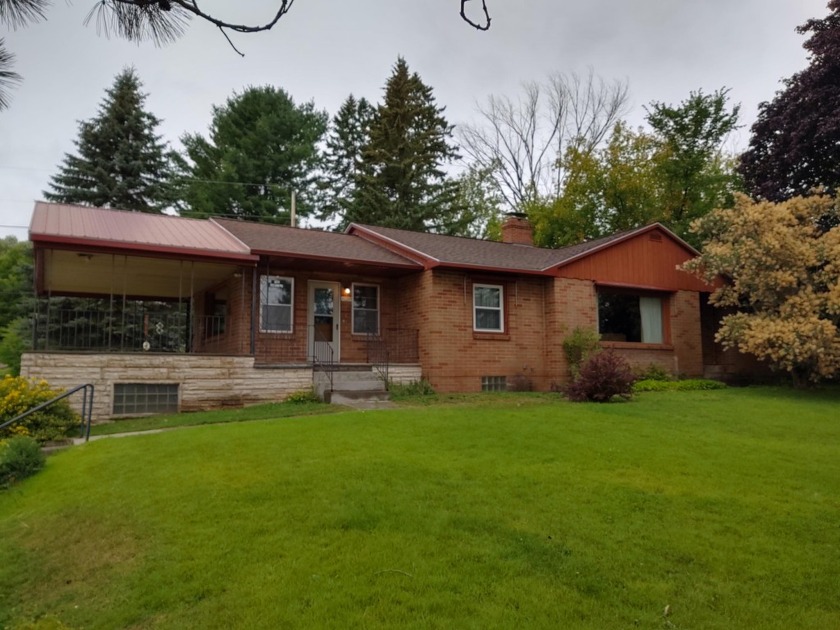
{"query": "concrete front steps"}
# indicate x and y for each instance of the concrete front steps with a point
(359, 387)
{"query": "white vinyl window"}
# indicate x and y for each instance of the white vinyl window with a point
(365, 309)
(488, 308)
(276, 304)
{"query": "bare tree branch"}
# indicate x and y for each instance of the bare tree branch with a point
(160, 21)
(481, 27)
(522, 143)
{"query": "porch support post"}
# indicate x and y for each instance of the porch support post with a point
(111, 305)
(191, 302)
(254, 307)
(125, 279)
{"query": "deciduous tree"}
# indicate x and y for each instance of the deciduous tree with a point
(121, 161)
(261, 148)
(795, 142)
(521, 142)
(694, 173)
(781, 276)
(673, 173)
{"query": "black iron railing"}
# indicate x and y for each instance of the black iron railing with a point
(136, 327)
(87, 408)
(322, 354)
(392, 345)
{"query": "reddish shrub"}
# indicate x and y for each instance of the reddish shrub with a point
(602, 377)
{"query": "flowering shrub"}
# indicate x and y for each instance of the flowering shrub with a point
(602, 377)
(18, 395)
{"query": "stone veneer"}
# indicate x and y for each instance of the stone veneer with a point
(205, 381)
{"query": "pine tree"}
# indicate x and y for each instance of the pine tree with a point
(121, 162)
(348, 134)
(261, 148)
(401, 181)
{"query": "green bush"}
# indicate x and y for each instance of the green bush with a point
(18, 395)
(13, 344)
(302, 397)
(688, 385)
(20, 457)
(579, 346)
(414, 389)
(604, 376)
(654, 372)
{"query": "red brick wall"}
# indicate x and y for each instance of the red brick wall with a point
(686, 335)
(682, 352)
(283, 348)
(571, 304)
(454, 357)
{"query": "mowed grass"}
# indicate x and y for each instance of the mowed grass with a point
(722, 506)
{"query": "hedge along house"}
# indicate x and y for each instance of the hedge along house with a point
(184, 314)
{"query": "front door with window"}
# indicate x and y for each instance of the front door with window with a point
(324, 321)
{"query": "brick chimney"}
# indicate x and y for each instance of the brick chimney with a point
(517, 229)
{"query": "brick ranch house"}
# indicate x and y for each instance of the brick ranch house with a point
(181, 314)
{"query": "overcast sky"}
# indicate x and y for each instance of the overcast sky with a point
(324, 50)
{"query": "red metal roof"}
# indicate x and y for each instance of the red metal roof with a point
(138, 232)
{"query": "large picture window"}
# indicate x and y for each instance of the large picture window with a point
(276, 304)
(365, 309)
(488, 308)
(630, 317)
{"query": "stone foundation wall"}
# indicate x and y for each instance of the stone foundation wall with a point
(405, 374)
(205, 381)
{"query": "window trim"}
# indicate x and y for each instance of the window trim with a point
(501, 308)
(353, 307)
(291, 305)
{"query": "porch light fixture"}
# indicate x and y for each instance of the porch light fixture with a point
(346, 291)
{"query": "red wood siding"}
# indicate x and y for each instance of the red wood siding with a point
(638, 262)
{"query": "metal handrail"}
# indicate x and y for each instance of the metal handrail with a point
(325, 364)
(378, 356)
(87, 408)
(391, 345)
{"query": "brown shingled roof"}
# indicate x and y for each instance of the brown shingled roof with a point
(456, 251)
(270, 239)
(460, 251)
(104, 228)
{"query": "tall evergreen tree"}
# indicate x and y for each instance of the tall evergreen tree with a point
(348, 134)
(795, 143)
(401, 180)
(121, 162)
(261, 148)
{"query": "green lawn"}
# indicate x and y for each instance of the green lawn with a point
(723, 506)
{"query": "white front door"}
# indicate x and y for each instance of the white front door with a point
(324, 321)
